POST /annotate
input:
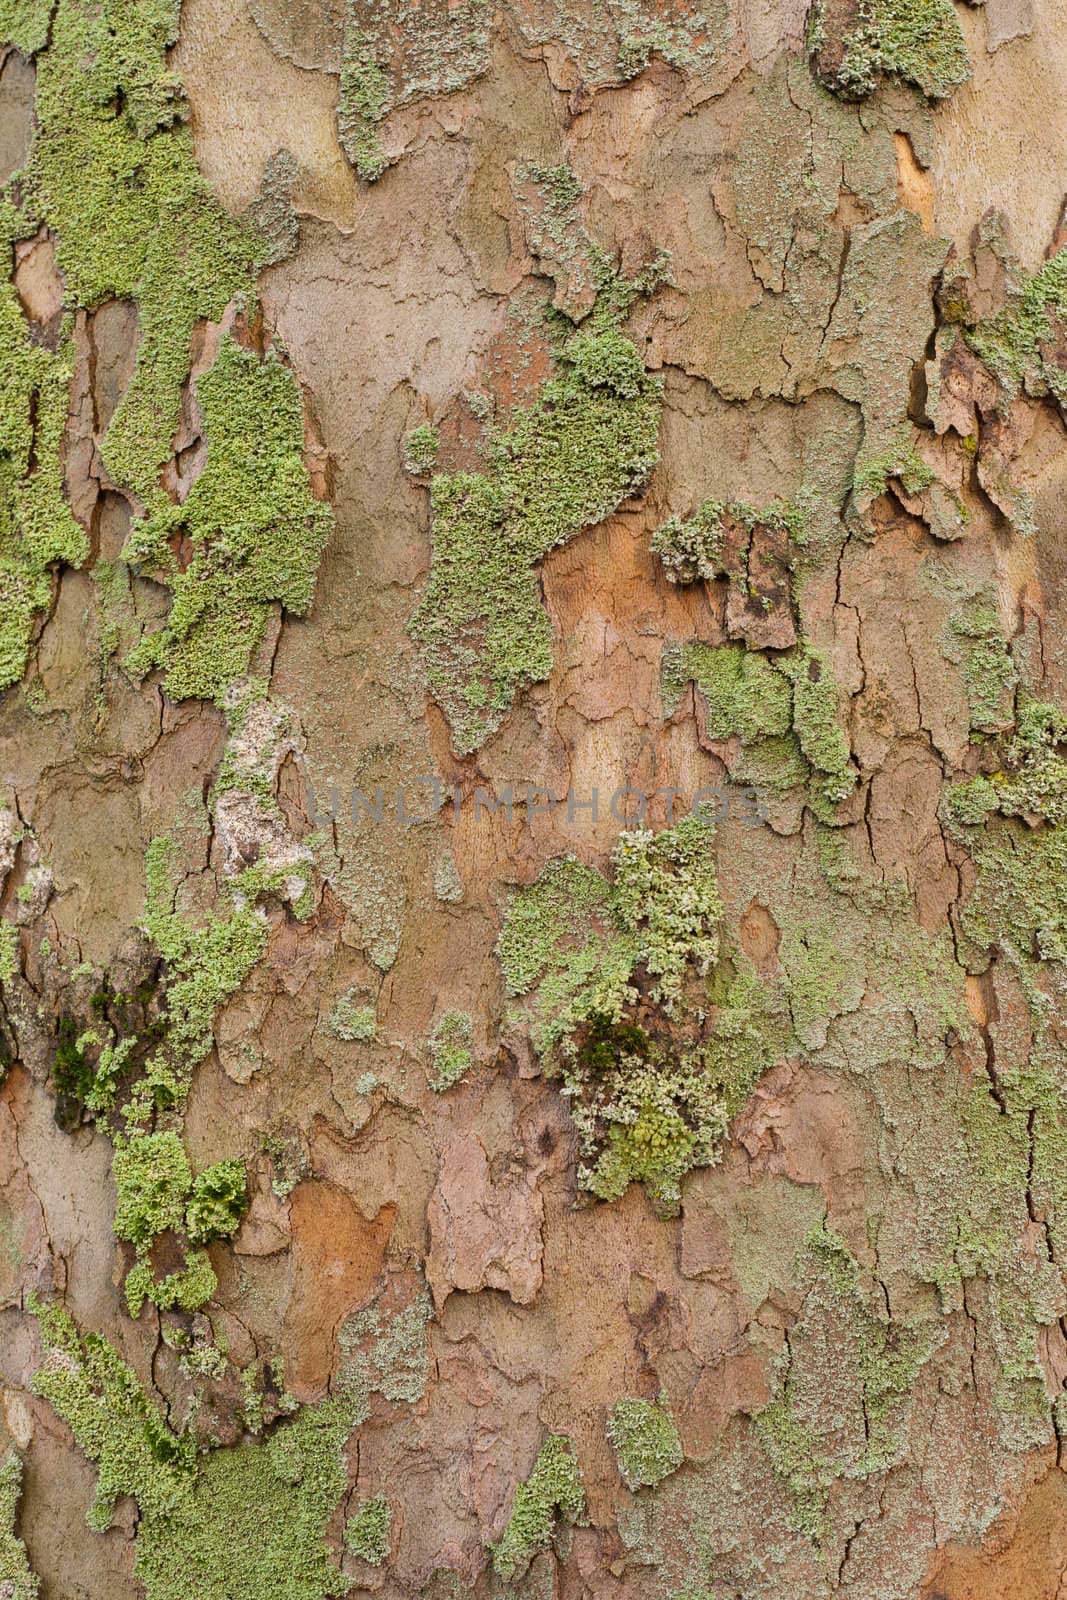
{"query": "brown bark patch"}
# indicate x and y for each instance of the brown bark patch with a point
(338, 1255)
(1024, 1555)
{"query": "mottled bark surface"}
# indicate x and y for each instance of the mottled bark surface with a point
(408, 409)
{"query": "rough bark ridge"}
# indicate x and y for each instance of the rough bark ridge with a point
(416, 1178)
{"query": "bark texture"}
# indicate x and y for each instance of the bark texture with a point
(533, 799)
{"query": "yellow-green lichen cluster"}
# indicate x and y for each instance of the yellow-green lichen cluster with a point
(37, 529)
(657, 1040)
(420, 448)
(130, 1070)
(367, 1530)
(919, 41)
(560, 465)
(244, 1522)
(553, 1492)
(645, 1441)
(398, 51)
(112, 175)
(9, 951)
(255, 528)
(156, 1194)
(782, 708)
(206, 963)
(450, 1049)
(17, 1580)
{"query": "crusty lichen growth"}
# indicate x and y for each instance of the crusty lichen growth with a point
(246, 1522)
(560, 465)
(132, 1067)
(255, 528)
(919, 41)
(846, 1380)
(645, 1441)
(692, 548)
(112, 172)
(420, 448)
(367, 1530)
(17, 1580)
(1016, 344)
(157, 1194)
(352, 1020)
(450, 1043)
(37, 529)
(1019, 903)
(552, 1492)
(9, 951)
(976, 641)
(783, 708)
(393, 54)
(899, 460)
(656, 1039)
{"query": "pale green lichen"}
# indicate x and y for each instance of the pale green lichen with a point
(363, 102)
(152, 1184)
(255, 528)
(651, 1083)
(692, 548)
(920, 41)
(975, 639)
(420, 449)
(386, 1354)
(37, 529)
(9, 951)
(1019, 901)
(450, 1049)
(206, 963)
(845, 1386)
(447, 883)
(246, 1522)
(156, 1194)
(217, 1201)
(783, 709)
(112, 172)
(395, 54)
(353, 1021)
(645, 1440)
(552, 1492)
(1017, 343)
(17, 1580)
(560, 465)
(367, 1530)
(873, 473)
(688, 41)
(130, 1069)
